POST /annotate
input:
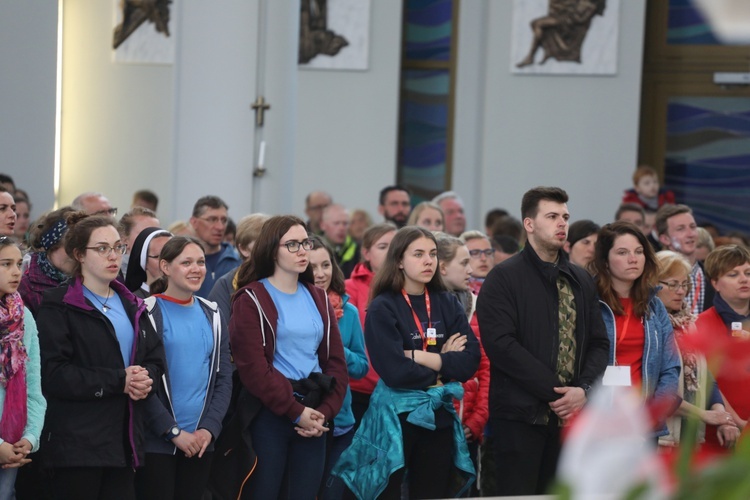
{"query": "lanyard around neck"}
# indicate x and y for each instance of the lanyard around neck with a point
(416, 319)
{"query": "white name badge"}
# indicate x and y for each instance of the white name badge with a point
(618, 376)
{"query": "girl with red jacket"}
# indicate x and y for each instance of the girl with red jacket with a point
(473, 410)
(287, 348)
(375, 243)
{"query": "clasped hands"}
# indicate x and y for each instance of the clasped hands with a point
(137, 382)
(193, 443)
(570, 403)
(15, 455)
(311, 423)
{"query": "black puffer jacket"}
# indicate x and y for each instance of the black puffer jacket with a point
(517, 311)
(90, 421)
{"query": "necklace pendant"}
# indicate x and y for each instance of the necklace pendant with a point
(105, 309)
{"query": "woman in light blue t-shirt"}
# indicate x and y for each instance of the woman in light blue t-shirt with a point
(288, 352)
(192, 397)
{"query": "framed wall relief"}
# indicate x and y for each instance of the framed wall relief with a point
(565, 37)
(334, 34)
(142, 31)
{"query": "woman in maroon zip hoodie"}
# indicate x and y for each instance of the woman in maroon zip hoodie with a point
(284, 334)
(100, 356)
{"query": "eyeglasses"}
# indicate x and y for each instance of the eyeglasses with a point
(674, 286)
(106, 211)
(317, 207)
(213, 220)
(293, 246)
(487, 253)
(106, 250)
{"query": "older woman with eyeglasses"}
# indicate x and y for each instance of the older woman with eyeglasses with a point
(700, 396)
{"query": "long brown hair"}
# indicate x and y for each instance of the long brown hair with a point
(390, 277)
(338, 284)
(262, 262)
(640, 292)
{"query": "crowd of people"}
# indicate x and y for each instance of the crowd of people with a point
(341, 357)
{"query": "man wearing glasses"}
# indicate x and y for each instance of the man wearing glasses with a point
(209, 221)
(482, 257)
(315, 203)
(94, 204)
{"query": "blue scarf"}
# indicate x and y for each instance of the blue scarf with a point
(48, 269)
(728, 315)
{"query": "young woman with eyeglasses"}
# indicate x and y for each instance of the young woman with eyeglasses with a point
(22, 405)
(640, 334)
(100, 357)
(185, 416)
(699, 394)
(288, 353)
(422, 346)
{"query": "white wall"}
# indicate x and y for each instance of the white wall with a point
(347, 131)
(126, 127)
(116, 118)
(515, 132)
(28, 51)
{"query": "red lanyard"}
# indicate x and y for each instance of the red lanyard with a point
(416, 319)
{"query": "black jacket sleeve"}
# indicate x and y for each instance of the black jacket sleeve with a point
(499, 323)
(62, 376)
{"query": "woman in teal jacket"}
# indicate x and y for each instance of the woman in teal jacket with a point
(640, 332)
(329, 277)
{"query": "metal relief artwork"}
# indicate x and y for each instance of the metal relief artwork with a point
(142, 31)
(314, 36)
(136, 12)
(575, 36)
(334, 34)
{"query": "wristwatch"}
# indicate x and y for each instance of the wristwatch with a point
(172, 433)
(586, 388)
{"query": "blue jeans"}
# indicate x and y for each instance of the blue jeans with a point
(8, 484)
(289, 465)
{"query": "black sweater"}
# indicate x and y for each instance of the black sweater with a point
(390, 329)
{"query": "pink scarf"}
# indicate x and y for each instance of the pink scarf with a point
(337, 303)
(13, 359)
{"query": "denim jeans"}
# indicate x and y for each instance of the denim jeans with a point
(289, 465)
(8, 484)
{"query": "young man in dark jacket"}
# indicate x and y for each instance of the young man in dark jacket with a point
(543, 333)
